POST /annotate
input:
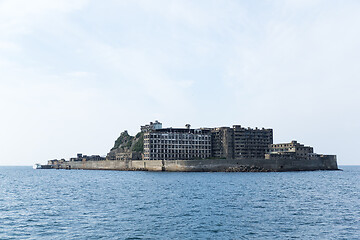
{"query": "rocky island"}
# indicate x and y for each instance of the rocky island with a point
(219, 149)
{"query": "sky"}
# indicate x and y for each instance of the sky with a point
(74, 74)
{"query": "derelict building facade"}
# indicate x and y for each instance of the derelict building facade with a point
(177, 143)
(239, 142)
(224, 142)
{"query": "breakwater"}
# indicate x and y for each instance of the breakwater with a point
(324, 162)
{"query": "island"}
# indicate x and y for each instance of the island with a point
(218, 149)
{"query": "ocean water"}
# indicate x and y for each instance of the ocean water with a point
(79, 204)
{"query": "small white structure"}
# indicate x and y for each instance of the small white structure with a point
(37, 166)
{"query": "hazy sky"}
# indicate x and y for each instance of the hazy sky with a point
(76, 73)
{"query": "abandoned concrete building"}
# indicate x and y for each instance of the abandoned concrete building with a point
(177, 143)
(224, 142)
(251, 143)
(118, 154)
(293, 148)
(152, 126)
(81, 157)
(236, 142)
(224, 149)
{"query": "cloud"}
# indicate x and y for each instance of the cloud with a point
(301, 77)
(148, 82)
(70, 66)
(8, 46)
(20, 16)
(306, 57)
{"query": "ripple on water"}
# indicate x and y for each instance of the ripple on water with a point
(49, 204)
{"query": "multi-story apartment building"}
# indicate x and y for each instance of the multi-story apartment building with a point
(238, 142)
(251, 143)
(177, 144)
(223, 142)
(293, 148)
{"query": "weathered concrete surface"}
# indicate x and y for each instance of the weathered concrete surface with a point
(326, 162)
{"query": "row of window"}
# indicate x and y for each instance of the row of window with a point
(177, 151)
(283, 149)
(177, 136)
(147, 146)
(178, 141)
(174, 156)
(253, 139)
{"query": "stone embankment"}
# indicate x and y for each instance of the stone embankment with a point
(246, 169)
(324, 162)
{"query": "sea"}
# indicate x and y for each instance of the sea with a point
(88, 204)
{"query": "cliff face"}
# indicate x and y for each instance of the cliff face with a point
(127, 146)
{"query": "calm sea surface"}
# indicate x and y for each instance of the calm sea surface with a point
(78, 204)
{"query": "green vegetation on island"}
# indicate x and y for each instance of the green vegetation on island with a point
(127, 142)
(138, 145)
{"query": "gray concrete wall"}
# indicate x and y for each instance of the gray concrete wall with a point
(326, 162)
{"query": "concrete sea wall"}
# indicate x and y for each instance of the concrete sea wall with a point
(325, 162)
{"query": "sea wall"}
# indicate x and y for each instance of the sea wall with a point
(324, 162)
